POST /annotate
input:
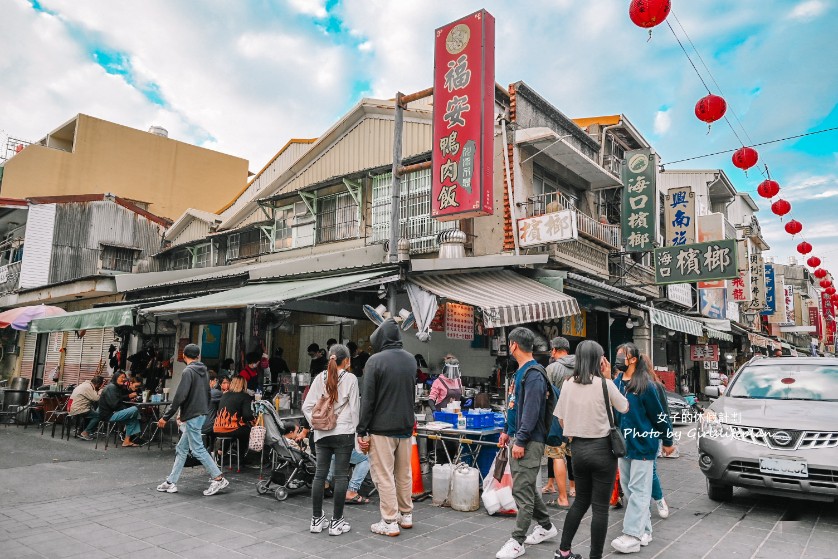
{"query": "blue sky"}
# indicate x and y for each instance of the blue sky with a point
(244, 77)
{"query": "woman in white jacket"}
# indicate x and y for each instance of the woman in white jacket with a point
(341, 388)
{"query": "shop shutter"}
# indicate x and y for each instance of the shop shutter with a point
(94, 352)
(27, 361)
(72, 358)
(53, 358)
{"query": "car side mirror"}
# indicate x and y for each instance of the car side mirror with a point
(712, 391)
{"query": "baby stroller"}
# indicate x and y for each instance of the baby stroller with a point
(294, 469)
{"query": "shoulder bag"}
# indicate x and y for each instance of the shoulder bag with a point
(618, 442)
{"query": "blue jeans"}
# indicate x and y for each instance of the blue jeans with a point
(130, 417)
(657, 490)
(92, 421)
(636, 481)
(359, 474)
(191, 440)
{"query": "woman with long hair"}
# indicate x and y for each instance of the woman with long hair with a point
(234, 414)
(644, 425)
(583, 412)
(340, 387)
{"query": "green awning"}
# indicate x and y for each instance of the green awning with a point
(269, 294)
(105, 317)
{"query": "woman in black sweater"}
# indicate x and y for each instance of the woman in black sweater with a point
(234, 413)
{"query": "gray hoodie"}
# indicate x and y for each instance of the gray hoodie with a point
(561, 369)
(193, 393)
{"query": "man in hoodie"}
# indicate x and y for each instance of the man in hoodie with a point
(192, 399)
(386, 425)
(561, 367)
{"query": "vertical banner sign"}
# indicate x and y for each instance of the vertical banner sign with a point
(640, 200)
(464, 118)
(739, 289)
(770, 292)
(757, 282)
(789, 295)
(680, 216)
(815, 320)
(828, 318)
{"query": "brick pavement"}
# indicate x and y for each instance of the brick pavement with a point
(63, 499)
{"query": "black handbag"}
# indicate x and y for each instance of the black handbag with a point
(618, 442)
(501, 459)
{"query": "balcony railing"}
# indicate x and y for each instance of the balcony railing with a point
(9, 277)
(603, 233)
(582, 255)
(613, 164)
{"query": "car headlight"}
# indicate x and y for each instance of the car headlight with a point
(711, 426)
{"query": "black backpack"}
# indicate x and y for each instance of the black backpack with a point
(553, 428)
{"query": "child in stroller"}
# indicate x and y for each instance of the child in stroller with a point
(294, 467)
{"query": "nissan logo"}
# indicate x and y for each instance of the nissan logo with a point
(781, 438)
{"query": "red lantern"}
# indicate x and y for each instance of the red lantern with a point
(830, 290)
(825, 283)
(804, 247)
(768, 188)
(820, 273)
(794, 227)
(813, 261)
(745, 158)
(710, 109)
(781, 207)
(649, 13)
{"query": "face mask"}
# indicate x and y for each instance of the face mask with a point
(620, 364)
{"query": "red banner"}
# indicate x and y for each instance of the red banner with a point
(815, 320)
(464, 118)
(829, 318)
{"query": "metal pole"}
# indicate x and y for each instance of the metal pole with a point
(396, 188)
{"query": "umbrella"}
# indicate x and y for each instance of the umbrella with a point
(20, 317)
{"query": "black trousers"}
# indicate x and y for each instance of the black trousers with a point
(341, 447)
(595, 468)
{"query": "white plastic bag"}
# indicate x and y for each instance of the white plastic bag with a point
(500, 492)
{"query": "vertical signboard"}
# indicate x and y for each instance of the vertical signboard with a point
(680, 216)
(828, 318)
(788, 292)
(464, 118)
(739, 289)
(757, 282)
(640, 200)
(815, 320)
(770, 291)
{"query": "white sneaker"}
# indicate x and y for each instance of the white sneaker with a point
(663, 508)
(540, 534)
(510, 550)
(167, 487)
(317, 524)
(216, 485)
(626, 544)
(385, 528)
(645, 539)
(337, 527)
(406, 521)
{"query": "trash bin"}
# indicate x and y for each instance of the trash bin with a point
(15, 398)
(19, 383)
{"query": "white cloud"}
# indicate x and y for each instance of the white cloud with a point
(808, 9)
(663, 122)
(316, 8)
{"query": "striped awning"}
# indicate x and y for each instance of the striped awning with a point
(505, 297)
(717, 334)
(675, 322)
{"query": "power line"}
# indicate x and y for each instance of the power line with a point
(753, 145)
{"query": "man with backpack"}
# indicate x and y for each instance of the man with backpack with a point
(527, 429)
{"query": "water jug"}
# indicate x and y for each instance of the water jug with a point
(441, 483)
(465, 494)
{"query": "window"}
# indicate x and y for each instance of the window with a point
(337, 218)
(415, 221)
(117, 259)
(233, 246)
(284, 232)
(181, 260)
(202, 256)
(549, 194)
(253, 242)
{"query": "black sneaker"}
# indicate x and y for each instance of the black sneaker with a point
(558, 555)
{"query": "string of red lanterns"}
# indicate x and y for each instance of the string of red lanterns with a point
(711, 108)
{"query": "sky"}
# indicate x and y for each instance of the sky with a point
(244, 77)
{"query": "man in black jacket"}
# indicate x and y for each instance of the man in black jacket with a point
(113, 407)
(192, 399)
(386, 425)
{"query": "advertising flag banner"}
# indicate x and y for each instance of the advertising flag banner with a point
(680, 216)
(828, 318)
(464, 118)
(640, 200)
(689, 263)
(770, 291)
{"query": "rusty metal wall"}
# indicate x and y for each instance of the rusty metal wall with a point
(82, 228)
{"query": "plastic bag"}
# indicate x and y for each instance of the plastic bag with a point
(497, 494)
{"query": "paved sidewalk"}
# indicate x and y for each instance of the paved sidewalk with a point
(63, 499)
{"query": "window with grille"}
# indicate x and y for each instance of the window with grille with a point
(181, 260)
(549, 194)
(415, 222)
(202, 256)
(337, 218)
(117, 259)
(284, 228)
(233, 246)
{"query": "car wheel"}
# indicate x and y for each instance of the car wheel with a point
(719, 492)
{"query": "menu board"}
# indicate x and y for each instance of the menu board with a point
(459, 321)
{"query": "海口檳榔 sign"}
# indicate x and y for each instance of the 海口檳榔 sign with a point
(714, 260)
